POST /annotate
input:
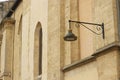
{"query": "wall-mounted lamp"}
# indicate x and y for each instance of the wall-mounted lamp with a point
(71, 37)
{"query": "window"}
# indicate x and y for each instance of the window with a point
(38, 51)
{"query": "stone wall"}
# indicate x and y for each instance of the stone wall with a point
(84, 72)
(104, 12)
(57, 54)
(17, 43)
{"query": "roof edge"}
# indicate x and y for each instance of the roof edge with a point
(13, 8)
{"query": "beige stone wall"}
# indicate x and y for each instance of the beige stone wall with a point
(39, 14)
(23, 62)
(107, 65)
(17, 43)
(7, 49)
(26, 5)
(97, 11)
(86, 36)
(53, 40)
(104, 67)
(21, 55)
(84, 72)
(104, 13)
(3, 52)
(53, 16)
(72, 49)
(74, 15)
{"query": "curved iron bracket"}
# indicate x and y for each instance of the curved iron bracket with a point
(82, 23)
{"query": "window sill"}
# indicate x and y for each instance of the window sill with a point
(39, 77)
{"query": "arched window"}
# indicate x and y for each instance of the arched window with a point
(38, 51)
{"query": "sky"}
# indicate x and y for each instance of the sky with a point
(3, 0)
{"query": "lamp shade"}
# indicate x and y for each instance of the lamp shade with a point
(70, 36)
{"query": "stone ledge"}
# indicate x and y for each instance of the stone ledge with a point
(8, 74)
(109, 47)
(101, 51)
(78, 63)
(8, 21)
(39, 77)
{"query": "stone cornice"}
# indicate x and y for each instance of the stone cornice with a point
(109, 47)
(5, 74)
(8, 21)
(78, 63)
(99, 52)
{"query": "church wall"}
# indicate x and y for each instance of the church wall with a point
(59, 58)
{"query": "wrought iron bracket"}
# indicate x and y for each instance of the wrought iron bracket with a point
(82, 23)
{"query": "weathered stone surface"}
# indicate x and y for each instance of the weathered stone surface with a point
(107, 66)
(53, 16)
(7, 55)
(85, 72)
